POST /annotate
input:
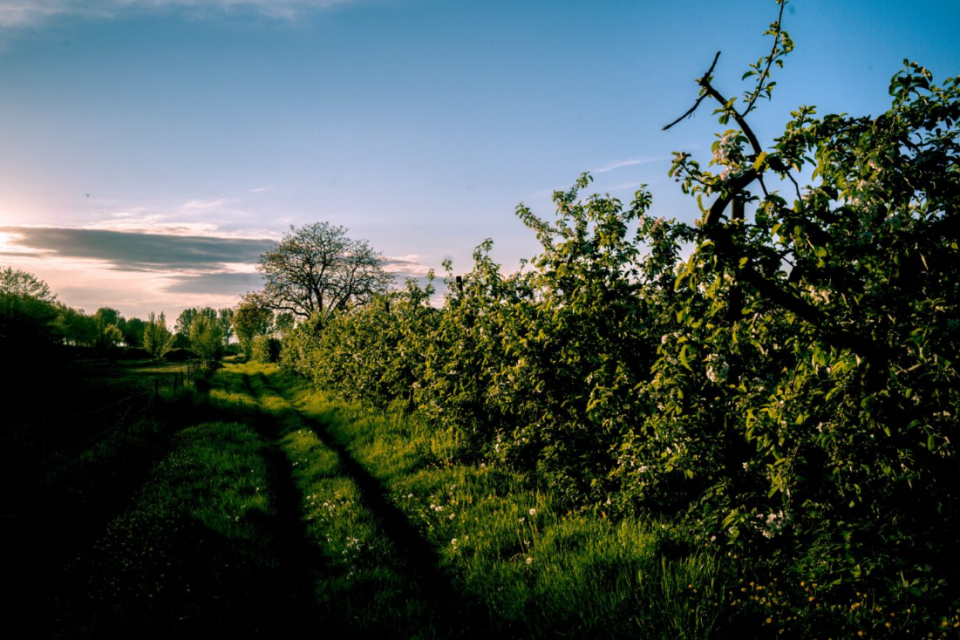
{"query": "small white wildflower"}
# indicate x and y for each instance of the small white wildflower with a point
(529, 560)
(533, 512)
(454, 542)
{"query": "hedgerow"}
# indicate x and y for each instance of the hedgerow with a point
(781, 377)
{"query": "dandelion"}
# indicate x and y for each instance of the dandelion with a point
(454, 542)
(533, 512)
(529, 559)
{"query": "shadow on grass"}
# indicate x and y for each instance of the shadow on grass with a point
(193, 550)
(453, 613)
(56, 507)
(144, 551)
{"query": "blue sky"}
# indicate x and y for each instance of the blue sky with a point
(417, 124)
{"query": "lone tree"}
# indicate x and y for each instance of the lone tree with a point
(317, 269)
(157, 339)
(206, 337)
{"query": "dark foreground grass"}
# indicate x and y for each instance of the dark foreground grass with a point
(59, 485)
(204, 551)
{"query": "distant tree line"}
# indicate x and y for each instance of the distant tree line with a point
(316, 272)
(31, 316)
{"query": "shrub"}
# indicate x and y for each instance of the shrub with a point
(265, 349)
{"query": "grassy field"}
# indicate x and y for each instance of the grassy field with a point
(262, 507)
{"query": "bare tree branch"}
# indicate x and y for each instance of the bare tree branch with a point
(700, 99)
(318, 269)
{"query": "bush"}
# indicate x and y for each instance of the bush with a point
(265, 349)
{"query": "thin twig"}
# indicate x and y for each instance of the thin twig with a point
(766, 72)
(763, 186)
(796, 186)
(696, 104)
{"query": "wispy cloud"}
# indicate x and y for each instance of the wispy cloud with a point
(204, 205)
(224, 216)
(30, 13)
(155, 225)
(406, 266)
(626, 163)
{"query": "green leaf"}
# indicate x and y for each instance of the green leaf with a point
(759, 161)
(683, 357)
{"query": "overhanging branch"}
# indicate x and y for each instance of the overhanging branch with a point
(692, 109)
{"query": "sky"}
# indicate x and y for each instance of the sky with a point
(151, 150)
